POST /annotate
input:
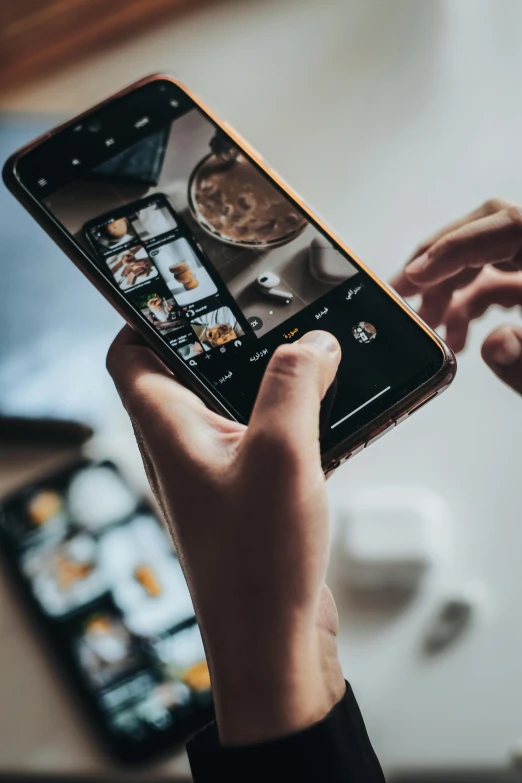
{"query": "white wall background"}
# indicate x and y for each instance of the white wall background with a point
(391, 118)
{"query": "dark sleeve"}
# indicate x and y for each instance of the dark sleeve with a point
(335, 749)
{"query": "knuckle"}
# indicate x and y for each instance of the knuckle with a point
(496, 205)
(514, 214)
(502, 333)
(112, 361)
(443, 247)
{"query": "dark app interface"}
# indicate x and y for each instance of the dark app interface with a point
(226, 268)
(103, 573)
(149, 251)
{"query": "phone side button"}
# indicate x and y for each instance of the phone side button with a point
(353, 453)
(417, 407)
(381, 433)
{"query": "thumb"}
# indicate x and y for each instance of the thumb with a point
(289, 399)
(502, 352)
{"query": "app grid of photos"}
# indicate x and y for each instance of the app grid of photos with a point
(103, 569)
(186, 222)
(161, 272)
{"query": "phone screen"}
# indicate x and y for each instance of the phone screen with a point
(102, 573)
(219, 259)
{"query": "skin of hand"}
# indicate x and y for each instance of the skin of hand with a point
(248, 514)
(467, 267)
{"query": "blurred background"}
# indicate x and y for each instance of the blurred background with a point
(391, 118)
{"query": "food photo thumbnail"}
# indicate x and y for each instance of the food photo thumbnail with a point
(132, 267)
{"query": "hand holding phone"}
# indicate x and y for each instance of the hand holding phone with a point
(225, 272)
(210, 256)
(248, 513)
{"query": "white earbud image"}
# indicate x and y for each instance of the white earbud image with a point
(267, 283)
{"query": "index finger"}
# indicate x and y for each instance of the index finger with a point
(401, 282)
(168, 418)
(133, 366)
(490, 240)
(489, 207)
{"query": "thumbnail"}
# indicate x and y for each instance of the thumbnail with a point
(105, 649)
(153, 220)
(66, 575)
(146, 580)
(132, 267)
(112, 234)
(183, 272)
(191, 350)
(183, 657)
(217, 328)
(162, 313)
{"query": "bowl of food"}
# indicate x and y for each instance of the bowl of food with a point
(233, 201)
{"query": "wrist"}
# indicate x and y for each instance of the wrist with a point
(274, 687)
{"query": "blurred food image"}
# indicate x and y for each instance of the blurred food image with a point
(75, 561)
(183, 272)
(64, 574)
(103, 570)
(155, 709)
(145, 576)
(171, 694)
(184, 275)
(232, 200)
(183, 657)
(163, 314)
(217, 328)
(97, 496)
(45, 505)
(146, 582)
(197, 676)
(114, 233)
(220, 334)
(131, 267)
(117, 229)
(105, 649)
(158, 308)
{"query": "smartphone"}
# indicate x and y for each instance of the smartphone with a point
(215, 261)
(100, 575)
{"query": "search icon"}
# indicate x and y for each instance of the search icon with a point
(193, 363)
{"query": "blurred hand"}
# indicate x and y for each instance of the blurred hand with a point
(247, 510)
(463, 270)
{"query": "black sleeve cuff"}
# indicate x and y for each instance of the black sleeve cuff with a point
(335, 749)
